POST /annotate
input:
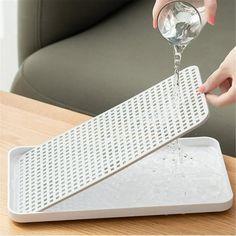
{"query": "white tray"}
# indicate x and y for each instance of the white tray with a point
(158, 184)
(90, 152)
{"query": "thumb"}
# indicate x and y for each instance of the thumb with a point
(215, 79)
(224, 99)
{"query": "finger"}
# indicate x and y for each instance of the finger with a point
(225, 86)
(155, 14)
(222, 100)
(154, 23)
(211, 6)
(215, 79)
(156, 9)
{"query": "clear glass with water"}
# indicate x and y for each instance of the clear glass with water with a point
(180, 22)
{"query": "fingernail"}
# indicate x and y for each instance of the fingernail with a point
(202, 88)
(212, 20)
(154, 23)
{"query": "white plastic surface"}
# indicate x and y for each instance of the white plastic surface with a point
(158, 184)
(94, 150)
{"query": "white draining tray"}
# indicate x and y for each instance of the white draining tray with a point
(89, 153)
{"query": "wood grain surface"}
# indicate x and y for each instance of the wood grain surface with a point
(28, 122)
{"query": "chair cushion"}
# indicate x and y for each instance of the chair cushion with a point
(119, 57)
(41, 22)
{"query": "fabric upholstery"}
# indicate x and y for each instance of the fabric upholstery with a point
(42, 22)
(119, 57)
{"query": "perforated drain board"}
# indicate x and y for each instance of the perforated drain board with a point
(109, 142)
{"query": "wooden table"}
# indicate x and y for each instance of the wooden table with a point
(28, 122)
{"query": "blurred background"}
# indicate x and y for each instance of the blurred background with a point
(8, 43)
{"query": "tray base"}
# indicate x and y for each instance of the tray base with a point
(161, 183)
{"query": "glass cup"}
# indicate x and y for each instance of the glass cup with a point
(180, 22)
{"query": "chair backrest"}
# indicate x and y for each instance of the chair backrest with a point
(42, 22)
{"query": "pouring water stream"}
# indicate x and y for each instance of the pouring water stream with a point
(179, 23)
